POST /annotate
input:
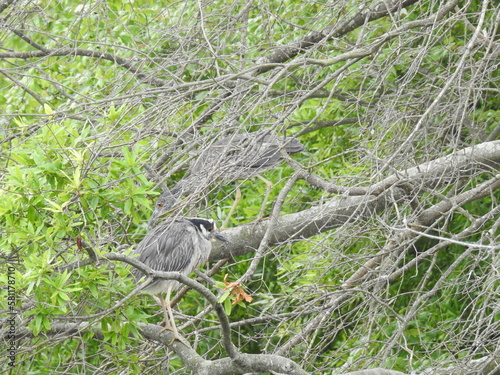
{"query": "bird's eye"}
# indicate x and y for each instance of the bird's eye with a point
(160, 204)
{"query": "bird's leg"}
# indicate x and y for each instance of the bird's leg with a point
(166, 318)
(269, 186)
(169, 317)
(237, 199)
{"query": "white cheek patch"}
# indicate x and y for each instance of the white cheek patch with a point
(205, 231)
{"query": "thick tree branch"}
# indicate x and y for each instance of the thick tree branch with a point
(397, 244)
(254, 363)
(304, 224)
(261, 363)
(461, 164)
(425, 220)
(339, 210)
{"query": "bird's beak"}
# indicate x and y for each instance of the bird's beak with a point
(157, 214)
(153, 219)
(221, 237)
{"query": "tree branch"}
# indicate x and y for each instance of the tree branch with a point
(193, 284)
(339, 210)
(88, 53)
(458, 165)
(363, 16)
(304, 224)
(4, 4)
(422, 223)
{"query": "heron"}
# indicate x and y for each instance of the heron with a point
(236, 157)
(175, 245)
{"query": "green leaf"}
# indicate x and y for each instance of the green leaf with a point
(48, 110)
(57, 208)
(224, 296)
(93, 289)
(64, 296)
(46, 323)
(76, 178)
(36, 326)
(227, 306)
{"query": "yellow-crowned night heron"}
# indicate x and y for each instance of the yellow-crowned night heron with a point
(235, 157)
(176, 245)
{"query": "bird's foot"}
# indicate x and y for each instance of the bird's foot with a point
(176, 336)
(166, 328)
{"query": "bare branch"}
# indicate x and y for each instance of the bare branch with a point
(129, 65)
(340, 210)
(285, 53)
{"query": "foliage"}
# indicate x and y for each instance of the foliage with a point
(83, 140)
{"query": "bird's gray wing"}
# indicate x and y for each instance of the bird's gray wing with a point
(262, 158)
(168, 247)
(264, 151)
(242, 154)
(247, 151)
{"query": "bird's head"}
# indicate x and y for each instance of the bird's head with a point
(163, 205)
(209, 229)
